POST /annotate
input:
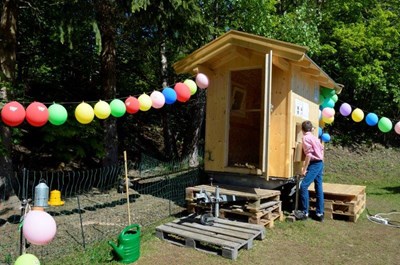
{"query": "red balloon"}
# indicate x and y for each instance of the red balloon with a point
(13, 114)
(37, 114)
(182, 92)
(132, 105)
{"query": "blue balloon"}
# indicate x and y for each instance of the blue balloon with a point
(319, 131)
(371, 119)
(170, 95)
(328, 103)
(325, 137)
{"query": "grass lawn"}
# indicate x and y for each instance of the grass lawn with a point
(303, 242)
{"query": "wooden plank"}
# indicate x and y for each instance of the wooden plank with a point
(257, 230)
(213, 231)
(229, 225)
(249, 193)
(199, 237)
(260, 218)
(340, 189)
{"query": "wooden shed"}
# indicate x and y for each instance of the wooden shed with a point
(260, 92)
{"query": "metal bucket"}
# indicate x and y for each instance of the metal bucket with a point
(41, 195)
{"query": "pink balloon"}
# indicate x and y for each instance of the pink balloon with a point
(397, 127)
(202, 80)
(39, 227)
(328, 112)
(37, 114)
(158, 99)
(13, 113)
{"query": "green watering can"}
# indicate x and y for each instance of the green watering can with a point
(128, 249)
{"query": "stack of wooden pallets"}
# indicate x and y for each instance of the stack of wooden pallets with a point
(251, 205)
(342, 202)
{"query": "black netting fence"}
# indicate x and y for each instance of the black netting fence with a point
(93, 205)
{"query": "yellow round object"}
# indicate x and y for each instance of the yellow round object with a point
(102, 110)
(145, 102)
(357, 115)
(192, 86)
(328, 120)
(84, 113)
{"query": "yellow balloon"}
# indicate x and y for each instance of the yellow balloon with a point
(102, 110)
(145, 102)
(192, 86)
(84, 113)
(328, 120)
(321, 123)
(357, 115)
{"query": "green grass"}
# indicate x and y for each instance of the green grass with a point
(309, 242)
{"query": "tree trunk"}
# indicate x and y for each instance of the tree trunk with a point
(106, 19)
(8, 29)
(193, 131)
(170, 149)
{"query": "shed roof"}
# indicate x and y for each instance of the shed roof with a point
(237, 43)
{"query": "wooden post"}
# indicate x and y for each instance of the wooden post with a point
(127, 188)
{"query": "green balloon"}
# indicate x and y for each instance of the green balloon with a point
(321, 99)
(327, 92)
(385, 125)
(328, 103)
(118, 108)
(27, 259)
(335, 98)
(57, 114)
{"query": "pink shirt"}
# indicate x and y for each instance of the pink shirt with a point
(312, 147)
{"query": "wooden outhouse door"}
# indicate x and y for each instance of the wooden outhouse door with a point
(250, 107)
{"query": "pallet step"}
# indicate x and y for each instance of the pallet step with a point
(265, 217)
(341, 201)
(340, 192)
(252, 198)
(337, 215)
(351, 208)
(224, 238)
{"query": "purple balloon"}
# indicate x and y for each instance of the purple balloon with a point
(345, 109)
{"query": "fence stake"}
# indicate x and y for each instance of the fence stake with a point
(127, 187)
(80, 219)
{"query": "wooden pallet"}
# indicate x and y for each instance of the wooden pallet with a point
(341, 202)
(253, 199)
(224, 238)
(265, 217)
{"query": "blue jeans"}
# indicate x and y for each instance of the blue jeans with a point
(314, 173)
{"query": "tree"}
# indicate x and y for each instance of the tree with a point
(360, 50)
(106, 15)
(8, 43)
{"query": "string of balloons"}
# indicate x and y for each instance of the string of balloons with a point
(37, 114)
(328, 98)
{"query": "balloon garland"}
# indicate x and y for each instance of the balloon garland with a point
(37, 114)
(328, 98)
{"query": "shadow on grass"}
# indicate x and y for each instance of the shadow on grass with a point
(393, 190)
